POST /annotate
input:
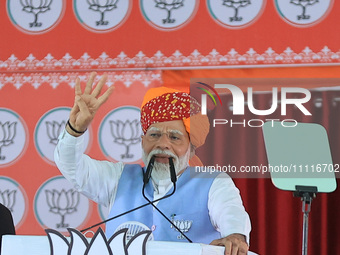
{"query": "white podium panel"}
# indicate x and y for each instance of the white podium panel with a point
(39, 245)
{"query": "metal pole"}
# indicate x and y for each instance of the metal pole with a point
(305, 209)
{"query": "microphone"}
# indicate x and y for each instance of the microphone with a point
(173, 175)
(148, 171)
(146, 178)
(173, 180)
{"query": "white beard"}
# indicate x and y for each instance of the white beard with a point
(161, 171)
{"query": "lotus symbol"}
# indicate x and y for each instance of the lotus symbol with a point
(62, 203)
(183, 225)
(7, 198)
(99, 244)
(36, 7)
(236, 4)
(102, 6)
(169, 5)
(133, 228)
(7, 134)
(126, 133)
(53, 130)
(303, 4)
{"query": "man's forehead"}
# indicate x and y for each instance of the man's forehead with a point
(175, 125)
(170, 130)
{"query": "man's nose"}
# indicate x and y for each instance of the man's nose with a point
(164, 142)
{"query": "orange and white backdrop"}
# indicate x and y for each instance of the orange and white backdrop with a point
(45, 45)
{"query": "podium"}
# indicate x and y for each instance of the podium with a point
(39, 245)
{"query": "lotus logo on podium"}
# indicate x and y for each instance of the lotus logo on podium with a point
(102, 7)
(98, 244)
(36, 7)
(62, 203)
(133, 228)
(7, 134)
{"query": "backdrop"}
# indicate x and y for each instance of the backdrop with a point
(277, 215)
(45, 45)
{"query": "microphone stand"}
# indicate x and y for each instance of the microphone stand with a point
(145, 179)
(173, 180)
(134, 209)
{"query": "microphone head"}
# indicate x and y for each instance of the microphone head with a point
(173, 175)
(148, 171)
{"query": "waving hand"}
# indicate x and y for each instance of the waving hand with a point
(86, 104)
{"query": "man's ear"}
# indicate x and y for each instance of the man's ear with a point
(142, 136)
(192, 150)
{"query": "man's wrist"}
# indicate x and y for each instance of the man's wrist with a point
(72, 131)
(238, 235)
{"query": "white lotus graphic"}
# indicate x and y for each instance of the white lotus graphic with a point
(126, 133)
(98, 245)
(236, 4)
(303, 4)
(7, 134)
(169, 5)
(62, 203)
(53, 129)
(36, 7)
(102, 6)
(7, 198)
(183, 225)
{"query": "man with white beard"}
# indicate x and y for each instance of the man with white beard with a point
(212, 205)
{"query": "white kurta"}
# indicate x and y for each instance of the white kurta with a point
(98, 180)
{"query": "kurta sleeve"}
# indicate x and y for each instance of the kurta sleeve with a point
(95, 179)
(226, 210)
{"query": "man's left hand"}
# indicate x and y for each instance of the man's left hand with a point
(235, 244)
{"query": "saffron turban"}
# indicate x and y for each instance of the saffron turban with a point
(166, 104)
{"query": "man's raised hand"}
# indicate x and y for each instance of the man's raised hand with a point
(86, 104)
